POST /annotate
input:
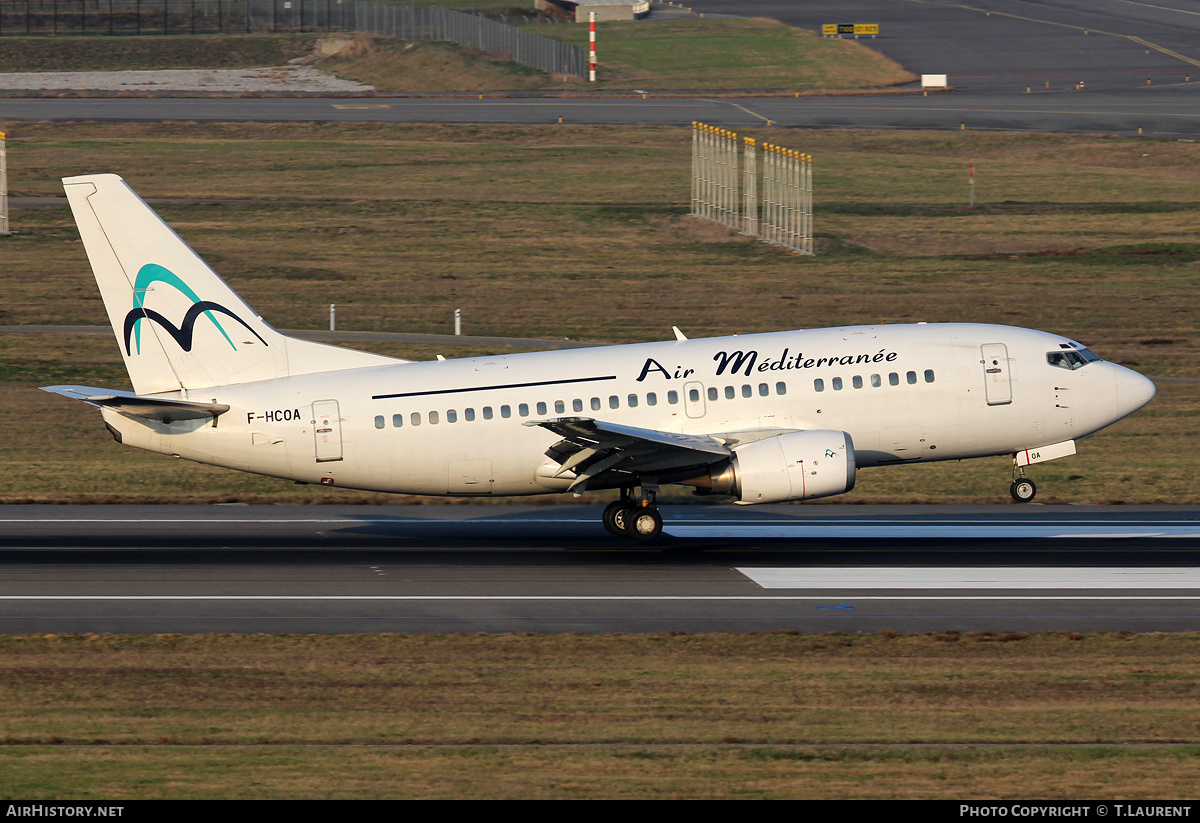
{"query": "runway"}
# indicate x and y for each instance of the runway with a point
(811, 568)
(515, 568)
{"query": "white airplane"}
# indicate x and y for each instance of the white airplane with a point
(763, 418)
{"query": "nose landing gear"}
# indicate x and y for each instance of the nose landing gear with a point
(1022, 489)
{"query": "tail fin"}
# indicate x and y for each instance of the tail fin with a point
(179, 325)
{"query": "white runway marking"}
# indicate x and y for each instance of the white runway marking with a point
(852, 529)
(992, 577)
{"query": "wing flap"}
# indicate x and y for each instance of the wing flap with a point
(591, 433)
(591, 448)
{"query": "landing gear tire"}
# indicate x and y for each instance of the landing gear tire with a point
(615, 517)
(1022, 490)
(643, 524)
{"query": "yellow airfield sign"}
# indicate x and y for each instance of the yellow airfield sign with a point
(839, 29)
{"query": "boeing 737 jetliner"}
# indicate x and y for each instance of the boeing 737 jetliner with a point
(762, 418)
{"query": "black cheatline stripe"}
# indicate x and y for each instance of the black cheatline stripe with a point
(489, 388)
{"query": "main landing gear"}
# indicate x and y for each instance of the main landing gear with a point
(634, 515)
(1022, 489)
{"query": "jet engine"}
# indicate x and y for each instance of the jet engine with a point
(795, 466)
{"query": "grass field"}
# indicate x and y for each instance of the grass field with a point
(728, 53)
(530, 230)
(654, 54)
(103, 53)
(975, 716)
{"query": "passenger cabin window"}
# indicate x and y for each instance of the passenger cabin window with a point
(893, 379)
(763, 390)
(837, 384)
(452, 416)
(781, 388)
(929, 375)
(397, 420)
(505, 411)
(541, 408)
(468, 414)
(595, 404)
(876, 381)
(379, 423)
(712, 393)
(673, 397)
(559, 407)
(523, 409)
(911, 377)
(651, 399)
(415, 418)
(433, 418)
(614, 402)
(577, 405)
(819, 385)
(857, 381)
(487, 412)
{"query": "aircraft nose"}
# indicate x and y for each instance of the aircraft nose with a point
(1133, 390)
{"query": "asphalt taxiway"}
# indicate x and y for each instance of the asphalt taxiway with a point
(512, 568)
(1169, 110)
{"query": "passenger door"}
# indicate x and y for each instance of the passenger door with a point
(327, 430)
(997, 374)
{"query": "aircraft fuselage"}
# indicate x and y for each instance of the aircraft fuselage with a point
(904, 393)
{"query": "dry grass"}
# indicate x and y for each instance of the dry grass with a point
(529, 229)
(468, 773)
(397, 66)
(749, 712)
(103, 53)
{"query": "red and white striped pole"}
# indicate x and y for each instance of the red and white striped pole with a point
(592, 47)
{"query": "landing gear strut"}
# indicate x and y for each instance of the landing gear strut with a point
(635, 514)
(1022, 489)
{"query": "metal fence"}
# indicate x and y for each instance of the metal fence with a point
(480, 32)
(774, 199)
(65, 17)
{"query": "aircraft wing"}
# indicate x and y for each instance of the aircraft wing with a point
(164, 410)
(590, 448)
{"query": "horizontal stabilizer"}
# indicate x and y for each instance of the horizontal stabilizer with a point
(164, 410)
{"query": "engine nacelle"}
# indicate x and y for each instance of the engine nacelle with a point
(796, 466)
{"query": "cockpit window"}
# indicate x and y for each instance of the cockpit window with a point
(1071, 359)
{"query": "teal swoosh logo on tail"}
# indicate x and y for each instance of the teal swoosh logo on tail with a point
(152, 273)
